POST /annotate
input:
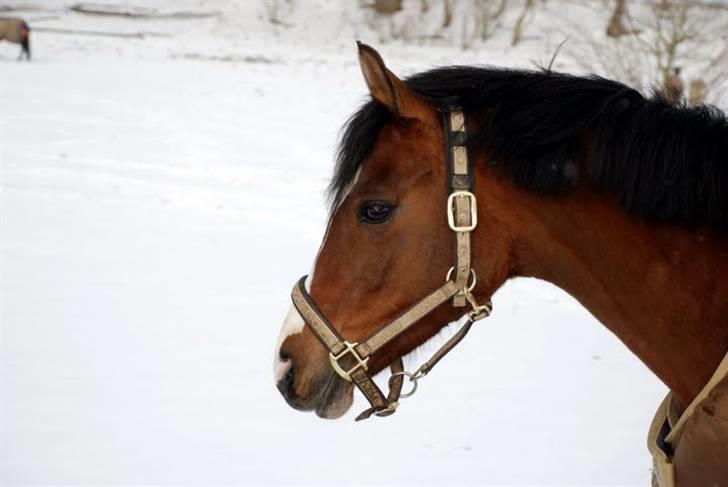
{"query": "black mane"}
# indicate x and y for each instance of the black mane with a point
(662, 162)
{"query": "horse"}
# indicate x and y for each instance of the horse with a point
(16, 30)
(472, 176)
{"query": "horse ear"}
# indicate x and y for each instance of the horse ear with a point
(387, 88)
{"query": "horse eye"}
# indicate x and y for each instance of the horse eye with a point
(375, 212)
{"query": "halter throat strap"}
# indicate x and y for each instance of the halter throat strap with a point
(350, 359)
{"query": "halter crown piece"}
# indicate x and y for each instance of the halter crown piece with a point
(349, 360)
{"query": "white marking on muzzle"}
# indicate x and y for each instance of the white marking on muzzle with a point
(294, 324)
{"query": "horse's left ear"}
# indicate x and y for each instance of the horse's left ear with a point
(387, 88)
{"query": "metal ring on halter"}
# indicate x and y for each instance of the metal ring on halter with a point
(472, 274)
(412, 379)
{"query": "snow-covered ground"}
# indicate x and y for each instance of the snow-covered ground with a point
(142, 182)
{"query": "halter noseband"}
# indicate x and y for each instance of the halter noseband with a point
(349, 360)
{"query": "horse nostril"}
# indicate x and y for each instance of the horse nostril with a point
(285, 385)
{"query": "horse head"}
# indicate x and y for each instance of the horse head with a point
(387, 245)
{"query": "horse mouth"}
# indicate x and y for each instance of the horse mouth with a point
(336, 398)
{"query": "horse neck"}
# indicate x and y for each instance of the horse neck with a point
(662, 290)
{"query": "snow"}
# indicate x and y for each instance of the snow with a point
(158, 199)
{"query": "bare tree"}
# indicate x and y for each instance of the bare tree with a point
(276, 10)
(673, 27)
(488, 14)
(463, 22)
(387, 7)
(521, 22)
(616, 26)
(446, 13)
(481, 21)
(662, 36)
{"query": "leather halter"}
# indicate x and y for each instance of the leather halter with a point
(349, 360)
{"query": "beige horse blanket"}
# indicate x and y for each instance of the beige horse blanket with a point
(692, 450)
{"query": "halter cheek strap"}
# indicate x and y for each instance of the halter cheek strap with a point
(350, 360)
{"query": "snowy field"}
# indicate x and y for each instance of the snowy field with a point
(145, 186)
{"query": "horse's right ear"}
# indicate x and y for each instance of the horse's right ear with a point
(387, 88)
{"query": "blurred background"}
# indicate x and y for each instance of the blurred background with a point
(154, 156)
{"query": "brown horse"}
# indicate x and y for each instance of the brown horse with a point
(16, 30)
(621, 201)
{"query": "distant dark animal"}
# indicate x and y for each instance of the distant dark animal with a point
(14, 29)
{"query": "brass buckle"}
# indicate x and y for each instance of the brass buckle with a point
(451, 211)
(349, 349)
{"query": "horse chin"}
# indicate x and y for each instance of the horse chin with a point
(336, 399)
